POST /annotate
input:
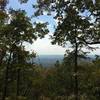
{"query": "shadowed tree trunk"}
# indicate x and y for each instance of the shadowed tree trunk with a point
(18, 83)
(76, 72)
(6, 78)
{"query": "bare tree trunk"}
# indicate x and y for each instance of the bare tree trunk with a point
(75, 72)
(6, 78)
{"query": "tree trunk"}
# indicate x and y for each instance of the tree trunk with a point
(6, 78)
(18, 83)
(75, 72)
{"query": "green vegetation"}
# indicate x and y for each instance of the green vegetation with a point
(53, 83)
(21, 79)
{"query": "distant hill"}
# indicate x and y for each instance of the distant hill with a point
(48, 60)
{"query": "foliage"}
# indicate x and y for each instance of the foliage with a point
(15, 30)
(22, 80)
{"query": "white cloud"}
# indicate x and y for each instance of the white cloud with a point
(43, 46)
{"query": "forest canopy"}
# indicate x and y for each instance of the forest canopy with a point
(76, 77)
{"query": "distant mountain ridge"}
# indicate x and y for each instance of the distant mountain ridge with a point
(50, 60)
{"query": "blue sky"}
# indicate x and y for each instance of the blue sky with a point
(42, 46)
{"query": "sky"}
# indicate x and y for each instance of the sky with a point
(42, 46)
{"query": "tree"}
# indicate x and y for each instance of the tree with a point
(72, 26)
(16, 29)
(69, 29)
(14, 34)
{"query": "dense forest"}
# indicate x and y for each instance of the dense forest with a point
(78, 24)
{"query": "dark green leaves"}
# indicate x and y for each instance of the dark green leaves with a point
(41, 29)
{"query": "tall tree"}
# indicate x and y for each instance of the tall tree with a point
(14, 34)
(73, 26)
